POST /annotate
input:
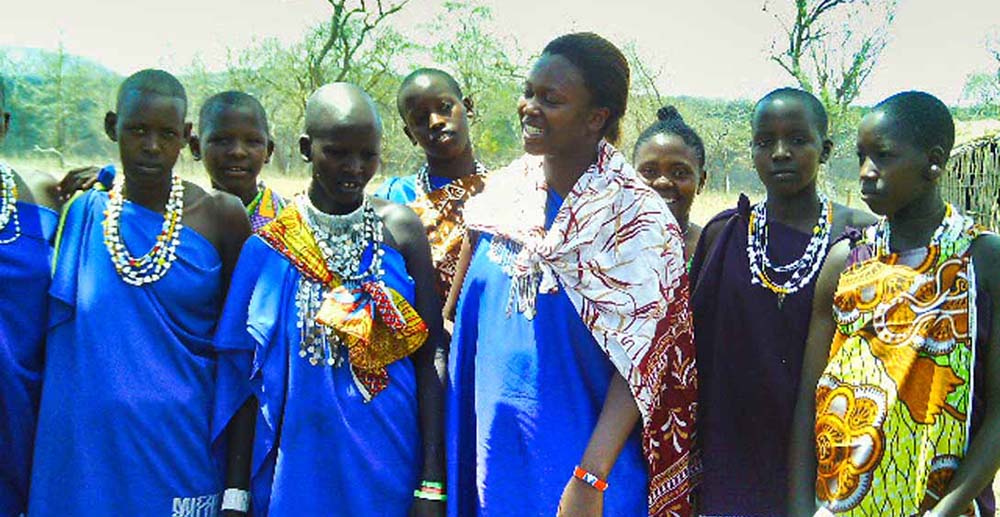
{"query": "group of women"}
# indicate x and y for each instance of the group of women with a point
(606, 356)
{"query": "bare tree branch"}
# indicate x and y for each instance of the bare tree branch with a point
(833, 71)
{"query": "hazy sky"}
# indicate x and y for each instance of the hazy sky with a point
(710, 48)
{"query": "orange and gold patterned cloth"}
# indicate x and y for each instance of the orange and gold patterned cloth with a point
(375, 322)
(441, 213)
(893, 404)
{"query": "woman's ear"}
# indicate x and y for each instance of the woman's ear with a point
(305, 148)
(824, 155)
(937, 158)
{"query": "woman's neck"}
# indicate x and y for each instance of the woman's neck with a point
(683, 222)
(913, 225)
(563, 170)
(799, 210)
(453, 168)
(148, 194)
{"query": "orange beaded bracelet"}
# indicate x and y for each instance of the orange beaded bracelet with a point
(590, 479)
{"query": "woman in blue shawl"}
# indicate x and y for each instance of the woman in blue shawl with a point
(131, 381)
(334, 300)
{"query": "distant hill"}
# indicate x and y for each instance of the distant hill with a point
(14, 61)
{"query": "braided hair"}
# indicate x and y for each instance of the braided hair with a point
(670, 122)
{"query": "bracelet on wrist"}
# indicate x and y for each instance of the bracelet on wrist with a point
(597, 483)
(431, 491)
(430, 496)
(236, 500)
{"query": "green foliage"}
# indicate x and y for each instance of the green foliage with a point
(982, 89)
(489, 73)
(355, 45)
(57, 103)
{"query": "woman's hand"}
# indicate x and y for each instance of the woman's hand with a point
(580, 500)
(81, 178)
(425, 508)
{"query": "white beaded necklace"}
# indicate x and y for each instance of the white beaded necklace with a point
(949, 230)
(804, 268)
(8, 204)
(157, 261)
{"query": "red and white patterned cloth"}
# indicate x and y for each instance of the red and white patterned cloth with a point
(618, 252)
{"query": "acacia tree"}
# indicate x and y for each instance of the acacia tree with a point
(58, 102)
(830, 47)
(356, 44)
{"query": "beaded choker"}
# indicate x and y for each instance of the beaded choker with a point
(802, 270)
(157, 261)
(8, 204)
(424, 178)
(343, 239)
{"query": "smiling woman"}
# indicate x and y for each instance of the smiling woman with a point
(587, 264)
(670, 158)
(234, 142)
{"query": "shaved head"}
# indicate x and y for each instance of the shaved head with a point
(152, 81)
(231, 99)
(340, 104)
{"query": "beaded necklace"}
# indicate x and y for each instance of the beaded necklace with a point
(424, 178)
(802, 270)
(342, 240)
(157, 261)
(252, 207)
(8, 204)
(948, 232)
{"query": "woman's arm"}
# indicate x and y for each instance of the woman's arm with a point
(981, 461)
(802, 449)
(461, 268)
(235, 229)
(430, 361)
(239, 434)
(618, 418)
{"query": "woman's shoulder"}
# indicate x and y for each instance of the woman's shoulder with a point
(847, 217)
(402, 225)
(986, 259)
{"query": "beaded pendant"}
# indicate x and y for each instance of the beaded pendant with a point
(803, 269)
(8, 204)
(156, 262)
